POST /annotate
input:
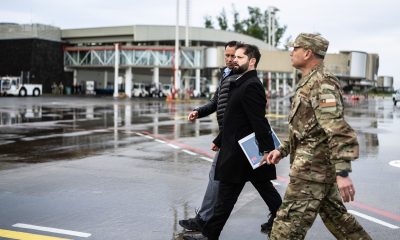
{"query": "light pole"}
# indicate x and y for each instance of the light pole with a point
(271, 25)
(176, 83)
(187, 23)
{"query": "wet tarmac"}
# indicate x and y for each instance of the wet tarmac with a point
(34, 131)
(131, 168)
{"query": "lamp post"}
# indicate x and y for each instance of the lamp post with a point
(187, 23)
(271, 25)
(176, 82)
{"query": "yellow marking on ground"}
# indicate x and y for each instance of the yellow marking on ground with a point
(273, 115)
(26, 236)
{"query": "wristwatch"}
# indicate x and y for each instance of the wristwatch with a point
(342, 173)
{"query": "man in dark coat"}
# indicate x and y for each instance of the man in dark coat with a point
(244, 114)
(216, 104)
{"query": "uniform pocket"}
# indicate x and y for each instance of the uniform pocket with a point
(293, 111)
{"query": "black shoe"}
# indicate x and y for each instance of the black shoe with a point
(198, 236)
(193, 224)
(267, 227)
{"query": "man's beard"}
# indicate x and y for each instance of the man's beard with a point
(239, 69)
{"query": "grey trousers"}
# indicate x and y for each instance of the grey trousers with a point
(210, 197)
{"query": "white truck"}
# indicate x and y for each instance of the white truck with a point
(396, 97)
(14, 86)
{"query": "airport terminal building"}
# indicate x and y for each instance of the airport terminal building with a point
(115, 58)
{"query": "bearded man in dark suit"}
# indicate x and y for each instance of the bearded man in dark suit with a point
(244, 114)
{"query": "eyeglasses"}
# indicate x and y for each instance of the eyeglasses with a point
(291, 49)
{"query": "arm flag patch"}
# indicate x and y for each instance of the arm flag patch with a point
(327, 102)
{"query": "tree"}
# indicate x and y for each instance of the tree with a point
(222, 20)
(256, 25)
(208, 23)
(237, 25)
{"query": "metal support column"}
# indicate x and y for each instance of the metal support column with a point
(269, 83)
(75, 81)
(177, 75)
(128, 82)
(105, 80)
(277, 79)
(285, 83)
(116, 68)
(156, 76)
(197, 85)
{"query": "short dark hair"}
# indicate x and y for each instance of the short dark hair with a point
(232, 44)
(250, 51)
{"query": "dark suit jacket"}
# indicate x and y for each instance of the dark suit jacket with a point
(244, 114)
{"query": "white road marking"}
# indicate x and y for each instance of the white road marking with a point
(173, 146)
(101, 130)
(207, 159)
(140, 134)
(53, 230)
(160, 141)
(251, 196)
(395, 163)
(70, 134)
(189, 152)
(372, 219)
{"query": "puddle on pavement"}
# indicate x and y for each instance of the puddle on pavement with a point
(60, 131)
(74, 128)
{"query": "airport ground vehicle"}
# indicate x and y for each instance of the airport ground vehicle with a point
(155, 90)
(166, 90)
(90, 88)
(14, 86)
(396, 97)
(139, 90)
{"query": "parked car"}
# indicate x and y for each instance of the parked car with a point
(139, 90)
(396, 97)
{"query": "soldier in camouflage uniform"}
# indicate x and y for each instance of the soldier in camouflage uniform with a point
(321, 145)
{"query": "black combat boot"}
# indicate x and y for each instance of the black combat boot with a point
(198, 236)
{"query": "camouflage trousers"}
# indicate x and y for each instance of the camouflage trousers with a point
(303, 201)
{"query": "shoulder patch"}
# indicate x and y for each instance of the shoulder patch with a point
(327, 100)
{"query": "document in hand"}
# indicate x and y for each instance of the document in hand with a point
(249, 146)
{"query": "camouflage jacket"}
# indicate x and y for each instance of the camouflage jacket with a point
(320, 141)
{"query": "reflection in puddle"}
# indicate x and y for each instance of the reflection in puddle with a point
(77, 127)
(44, 131)
(369, 143)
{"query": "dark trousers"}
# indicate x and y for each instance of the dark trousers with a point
(227, 196)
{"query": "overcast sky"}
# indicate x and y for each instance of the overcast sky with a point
(372, 26)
